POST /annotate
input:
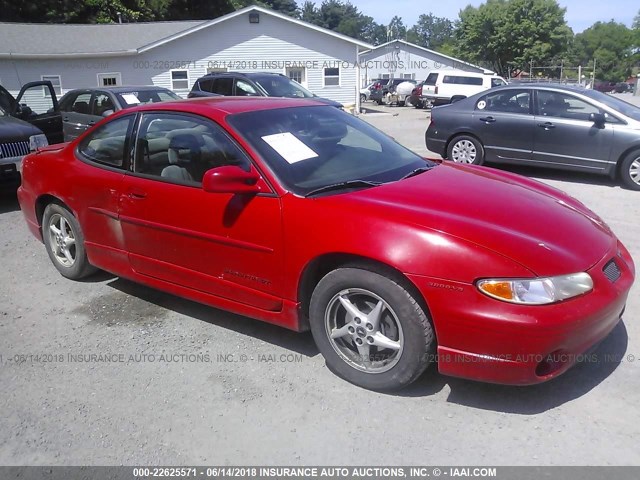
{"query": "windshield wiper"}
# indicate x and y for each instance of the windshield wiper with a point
(418, 171)
(341, 185)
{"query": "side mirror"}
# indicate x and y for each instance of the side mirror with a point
(599, 119)
(23, 111)
(106, 113)
(230, 179)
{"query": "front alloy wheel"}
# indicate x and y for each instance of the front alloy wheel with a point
(364, 330)
(370, 328)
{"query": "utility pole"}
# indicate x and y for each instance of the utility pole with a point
(593, 75)
(531, 69)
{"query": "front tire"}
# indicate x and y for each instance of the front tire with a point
(363, 98)
(64, 242)
(630, 170)
(465, 149)
(371, 331)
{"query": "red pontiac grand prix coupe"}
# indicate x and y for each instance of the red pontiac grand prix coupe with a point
(301, 215)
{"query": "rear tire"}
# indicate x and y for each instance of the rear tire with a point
(64, 242)
(466, 149)
(630, 170)
(371, 331)
(363, 98)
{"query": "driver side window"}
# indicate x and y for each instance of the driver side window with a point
(181, 148)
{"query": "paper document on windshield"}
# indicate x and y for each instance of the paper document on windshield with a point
(130, 98)
(289, 147)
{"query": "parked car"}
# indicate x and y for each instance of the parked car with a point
(365, 92)
(301, 215)
(378, 95)
(449, 86)
(252, 85)
(542, 125)
(27, 122)
(84, 107)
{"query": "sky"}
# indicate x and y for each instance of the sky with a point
(580, 14)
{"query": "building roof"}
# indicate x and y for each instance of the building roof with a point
(36, 40)
(462, 63)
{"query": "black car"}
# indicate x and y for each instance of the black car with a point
(84, 107)
(252, 85)
(30, 121)
(380, 91)
(546, 125)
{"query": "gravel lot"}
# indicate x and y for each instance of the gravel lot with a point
(107, 372)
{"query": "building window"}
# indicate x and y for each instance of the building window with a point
(409, 76)
(331, 77)
(296, 74)
(216, 70)
(109, 79)
(56, 81)
(385, 75)
(179, 79)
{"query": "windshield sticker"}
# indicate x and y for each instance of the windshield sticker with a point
(481, 104)
(289, 147)
(130, 98)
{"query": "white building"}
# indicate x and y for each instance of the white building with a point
(401, 59)
(175, 54)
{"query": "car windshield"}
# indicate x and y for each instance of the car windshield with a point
(615, 103)
(278, 86)
(132, 98)
(309, 148)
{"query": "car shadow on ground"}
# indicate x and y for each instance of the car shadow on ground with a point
(533, 399)
(559, 175)
(529, 400)
(298, 342)
(8, 202)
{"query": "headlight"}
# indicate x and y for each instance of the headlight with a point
(36, 141)
(537, 291)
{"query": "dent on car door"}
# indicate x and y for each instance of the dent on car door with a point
(223, 244)
(504, 123)
(37, 104)
(566, 137)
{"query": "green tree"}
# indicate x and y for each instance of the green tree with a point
(610, 44)
(396, 29)
(509, 34)
(431, 31)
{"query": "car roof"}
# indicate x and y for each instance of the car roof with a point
(538, 86)
(242, 74)
(120, 89)
(229, 105)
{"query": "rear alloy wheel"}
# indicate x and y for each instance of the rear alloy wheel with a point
(64, 242)
(466, 149)
(363, 98)
(407, 101)
(630, 170)
(370, 329)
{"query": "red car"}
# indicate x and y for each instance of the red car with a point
(301, 215)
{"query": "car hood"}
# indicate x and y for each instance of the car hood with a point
(537, 226)
(15, 130)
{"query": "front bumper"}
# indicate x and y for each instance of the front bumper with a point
(483, 339)
(10, 172)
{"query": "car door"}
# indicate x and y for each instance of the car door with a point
(504, 123)
(565, 137)
(37, 104)
(97, 176)
(227, 245)
(76, 114)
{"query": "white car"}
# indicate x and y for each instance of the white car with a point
(448, 86)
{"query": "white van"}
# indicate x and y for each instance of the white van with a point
(448, 86)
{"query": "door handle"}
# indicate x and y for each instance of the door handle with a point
(137, 194)
(547, 125)
(488, 119)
